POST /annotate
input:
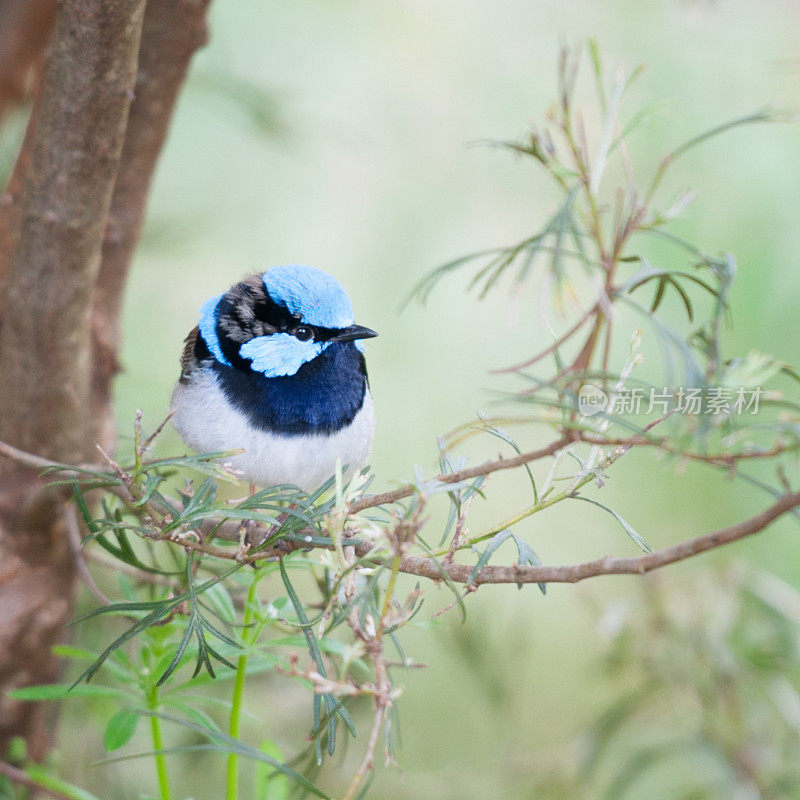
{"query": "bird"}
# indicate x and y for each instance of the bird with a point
(275, 368)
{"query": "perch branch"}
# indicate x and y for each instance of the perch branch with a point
(425, 567)
(433, 569)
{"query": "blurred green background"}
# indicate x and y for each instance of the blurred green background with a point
(339, 135)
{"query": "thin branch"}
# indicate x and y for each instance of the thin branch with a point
(637, 565)
(74, 537)
(120, 566)
(488, 467)
(553, 347)
(662, 443)
(368, 760)
(29, 459)
(18, 776)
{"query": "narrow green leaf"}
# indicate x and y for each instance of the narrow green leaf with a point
(636, 120)
(231, 745)
(313, 649)
(151, 484)
(493, 544)
(120, 729)
(74, 653)
(685, 297)
(51, 782)
(195, 714)
(133, 631)
(597, 68)
(659, 295)
(528, 556)
(628, 528)
(503, 435)
(462, 608)
(270, 784)
(177, 657)
(63, 691)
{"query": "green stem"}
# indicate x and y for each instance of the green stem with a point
(158, 745)
(518, 517)
(387, 600)
(232, 792)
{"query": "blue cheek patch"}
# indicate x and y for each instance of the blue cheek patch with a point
(279, 354)
(318, 298)
(208, 327)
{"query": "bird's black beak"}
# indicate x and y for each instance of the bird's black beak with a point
(352, 333)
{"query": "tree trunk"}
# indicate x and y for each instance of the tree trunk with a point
(70, 220)
(45, 342)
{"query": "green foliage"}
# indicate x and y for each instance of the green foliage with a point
(590, 264)
(706, 680)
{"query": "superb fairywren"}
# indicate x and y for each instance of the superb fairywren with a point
(275, 369)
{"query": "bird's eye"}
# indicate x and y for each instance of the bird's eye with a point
(303, 333)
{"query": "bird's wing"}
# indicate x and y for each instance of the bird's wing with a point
(189, 360)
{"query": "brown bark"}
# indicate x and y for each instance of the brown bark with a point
(66, 245)
(25, 27)
(45, 345)
(45, 357)
(11, 198)
(173, 30)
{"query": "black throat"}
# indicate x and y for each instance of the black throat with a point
(323, 396)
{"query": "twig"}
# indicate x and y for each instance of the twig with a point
(553, 347)
(74, 537)
(21, 777)
(488, 467)
(135, 492)
(368, 760)
(609, 565)
(120, 566)
(456, 541)
(367, 501)
(401, 536)
(151, 438)
(29, 459)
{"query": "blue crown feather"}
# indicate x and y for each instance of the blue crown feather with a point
(208, 328)
(317, 297)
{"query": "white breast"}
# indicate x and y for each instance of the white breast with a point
(208, 423)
